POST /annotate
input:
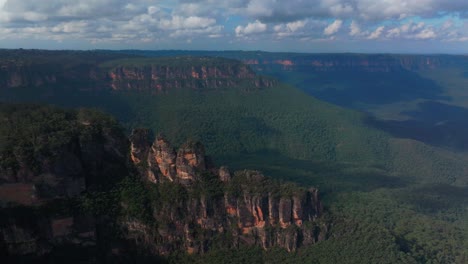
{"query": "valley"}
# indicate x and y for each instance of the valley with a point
(383, 137)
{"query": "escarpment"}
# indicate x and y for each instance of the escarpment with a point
(355, 62)
(123, 72)
(202, 75)
(131, 74)
(243, 208)
(71, 180)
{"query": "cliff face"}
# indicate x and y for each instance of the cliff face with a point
(44, 167)
(356, 62)
(244, 208)
(101, 70)
(160, 162)
(265, 219)
(83, 77)
(153, 75)
(72, 181)
(12, 76)
(159, 78)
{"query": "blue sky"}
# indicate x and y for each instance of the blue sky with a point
(398, 26)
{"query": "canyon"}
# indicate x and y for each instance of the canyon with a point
(53, 198)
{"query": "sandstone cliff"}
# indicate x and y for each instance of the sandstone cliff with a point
(355, 62)
(241, 208)
(72, 182)
(133, 74)
(193, 73)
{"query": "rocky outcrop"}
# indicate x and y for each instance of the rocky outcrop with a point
(245, 208)
(163, 163)
(90, 189)
(249, 210)
(163, 156)
(224, 174)
(190, 161)
(139, 145)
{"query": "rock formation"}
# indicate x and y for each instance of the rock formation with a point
(95, 190)
(245, 206)
(163, 163)
(139, 145)
(162, 78)
(190, 161)
(150, 75)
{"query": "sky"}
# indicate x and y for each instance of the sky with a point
(391, 26)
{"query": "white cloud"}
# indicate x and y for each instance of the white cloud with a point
(339, 9)
(393, 33)
(426, 34)
(354, 29)
(294, 26)
(266, 20)
(251, 28)
(422, 31)
(178, 22)
(259, 8)
(376, 33)
(71, 27)
(333, 27)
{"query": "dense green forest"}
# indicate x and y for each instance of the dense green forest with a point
(373, 187)
(391, 200)
(375, 218)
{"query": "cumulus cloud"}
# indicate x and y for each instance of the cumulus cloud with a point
(426, 34)
(292, 10)
(251, 28)
(354, 29)
(376, 33)
(421, 31)
(300, 30)
(294, 26)
(103, 20)
(178, 22)
(152, 21)
(333, 27)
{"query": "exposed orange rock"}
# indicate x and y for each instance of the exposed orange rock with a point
(62, 227)
(231, 210)
(165, 157)
(285, 62)
(139, 145)
(246, 230)
(190, 161)
(297, 211)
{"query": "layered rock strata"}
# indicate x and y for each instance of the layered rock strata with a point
(150, 75)
(244, 208)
